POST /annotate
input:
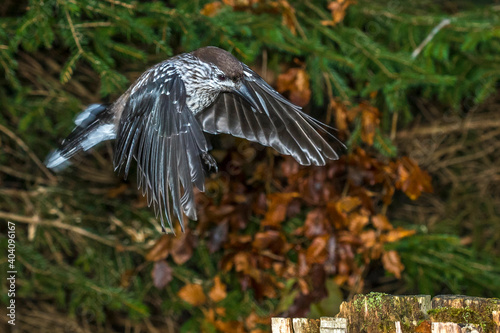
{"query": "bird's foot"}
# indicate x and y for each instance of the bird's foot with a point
(210, 162)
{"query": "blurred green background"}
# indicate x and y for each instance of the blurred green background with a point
(413, 205)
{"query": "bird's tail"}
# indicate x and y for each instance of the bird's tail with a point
(93, 125)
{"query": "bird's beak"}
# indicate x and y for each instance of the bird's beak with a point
(244, 92)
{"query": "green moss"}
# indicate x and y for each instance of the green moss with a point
(465, 315)
(373, 300)
(378, 312)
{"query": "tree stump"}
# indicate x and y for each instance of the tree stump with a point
(378, 312)
(472, 313)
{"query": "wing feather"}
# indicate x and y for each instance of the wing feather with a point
(276, 122)
(159, 131)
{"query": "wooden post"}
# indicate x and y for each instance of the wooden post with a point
(333, 325)
(281, 325)
(455, 328)
(304, 325)
(468, 313)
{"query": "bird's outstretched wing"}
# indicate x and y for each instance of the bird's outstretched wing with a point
(158, 130)
(276, 122)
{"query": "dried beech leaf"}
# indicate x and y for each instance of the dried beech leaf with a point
(241, 262)
(392, 263)
(276, 212)
(193, 294)
(211, 9)
(370, 121)
(396, 234)
(220, 311)
(295, 81)
(411, 179)
(218, 291)
(126, 277)
(315, 224)
(115, 192)
(253, 320)
(357, 222)
(381, 222)
(317, 251)
(232, 326)
(368, 238)
(288, 14)
(160, 250)
(182, 249)
(338, 9)
(348, 204)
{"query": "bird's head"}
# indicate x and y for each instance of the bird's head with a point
(225, 72)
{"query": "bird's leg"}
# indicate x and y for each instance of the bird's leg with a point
(210, 162)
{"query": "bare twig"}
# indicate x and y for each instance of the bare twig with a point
(474, 124)
(93, 25)
(73, 32)
(35, 219)
(427, 39)
(23, 145)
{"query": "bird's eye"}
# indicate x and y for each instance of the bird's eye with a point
(222, 77)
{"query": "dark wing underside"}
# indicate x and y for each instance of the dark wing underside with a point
(277, 123)
(163, 136)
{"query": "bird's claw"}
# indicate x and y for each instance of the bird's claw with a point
(210, 162)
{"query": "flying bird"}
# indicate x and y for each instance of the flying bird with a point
(159, 122)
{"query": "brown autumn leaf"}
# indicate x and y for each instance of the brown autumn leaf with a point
(253, 320)
(340, 114)
(348, 204)
(338, 9)
(241, 262)
(220, 311)
(271, 240)
(237, 4)
(288, 14)
(358, 221)
(160, 250)
(126, 277)
(266, 287)
(370, 121)
(395, 235)
(278, 204)
(231, 326)
(381, 222)
(392, 263)
(218, 291)
(193, 294)
(209, 315)
(161, 274)
(296, 81)
(317, 252)
(303, 286)
(339, 218)
(181, 249)
(331, 260)
(373, 94)
(116, 191)
(411, 179)
(368, 238)
(315, 224)
(302, 266)
(211, 9)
